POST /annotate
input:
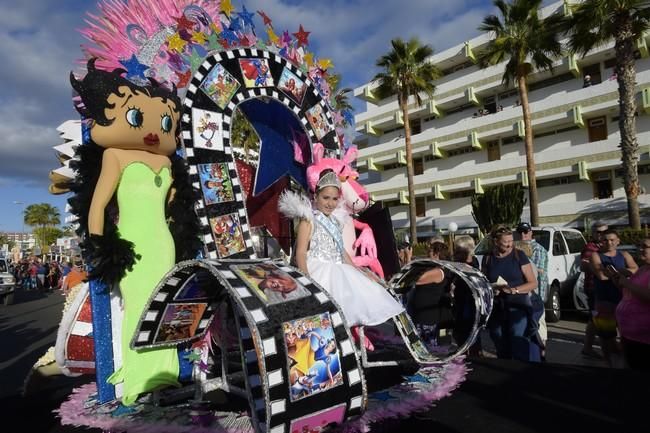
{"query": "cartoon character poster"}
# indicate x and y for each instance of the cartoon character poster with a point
(220, 86)
(312, 356)
(207, 129)
(180, 321)
(216, 184)
(318, 121)
(227, 233)
(292, 86)
(319, 421)
(256, 72)
(271, 284)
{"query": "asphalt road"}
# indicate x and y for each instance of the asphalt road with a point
(27, 329)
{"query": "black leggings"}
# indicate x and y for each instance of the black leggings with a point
(636, 354)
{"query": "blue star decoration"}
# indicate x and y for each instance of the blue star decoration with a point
(273, 123)
(418, 378)
(246, 17)
(134, 69)
(235, 25)
(229, 36)
(382, 396)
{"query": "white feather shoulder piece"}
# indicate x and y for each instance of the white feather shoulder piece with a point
(295, 205)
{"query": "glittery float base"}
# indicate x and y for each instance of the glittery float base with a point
(416, 393)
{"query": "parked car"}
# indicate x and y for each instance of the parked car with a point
(564, 246)
(7, 283)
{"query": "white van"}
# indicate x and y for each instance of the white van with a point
(564, 246)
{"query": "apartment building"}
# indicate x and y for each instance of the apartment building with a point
(470, 136)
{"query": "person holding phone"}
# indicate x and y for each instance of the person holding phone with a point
(608, 263)
(633, 312)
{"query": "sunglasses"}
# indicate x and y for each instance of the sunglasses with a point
(643, 246)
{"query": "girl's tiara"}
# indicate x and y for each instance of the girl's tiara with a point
(328, 179)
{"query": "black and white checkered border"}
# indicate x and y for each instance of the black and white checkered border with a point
(258, 337)
(481, 293)
(163, 295)
(202, 214)
(242, 94)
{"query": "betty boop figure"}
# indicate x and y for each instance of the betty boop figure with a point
(130, 183)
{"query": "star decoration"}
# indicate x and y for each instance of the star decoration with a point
(418, 378)
(309, 58)
(246, 17)
(274, 123)
(213, 41)
(229, 36)
(235, 25)
(273, 38)
(286, 39)
(199, 38)
(195, 60)
(325, 64)
(246, 41)
(184, 78)
(182, 23)
(382, 396)
(227, 7)
(301, 36)
(134, 69)
(176, 43)
(267, 20)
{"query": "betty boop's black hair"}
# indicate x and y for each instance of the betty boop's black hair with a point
(95, 88)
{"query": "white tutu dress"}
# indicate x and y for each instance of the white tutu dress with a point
(364, 302)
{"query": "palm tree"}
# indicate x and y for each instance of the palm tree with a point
(243, 134)
(526, 42)
(43, 216)
(407, 73)
(593, 23)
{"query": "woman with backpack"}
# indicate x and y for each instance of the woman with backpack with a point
(512, 326)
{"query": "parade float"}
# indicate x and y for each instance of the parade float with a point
(194, 318)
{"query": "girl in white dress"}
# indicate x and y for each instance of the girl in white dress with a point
(321, 255)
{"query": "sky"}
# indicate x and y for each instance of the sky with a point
(41, 45)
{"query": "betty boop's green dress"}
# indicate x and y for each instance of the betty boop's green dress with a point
(141, 196)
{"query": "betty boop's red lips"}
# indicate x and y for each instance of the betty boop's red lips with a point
(151, 140)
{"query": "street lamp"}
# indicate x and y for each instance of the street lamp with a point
(22, 233)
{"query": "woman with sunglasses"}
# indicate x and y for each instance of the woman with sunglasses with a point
(633, 312)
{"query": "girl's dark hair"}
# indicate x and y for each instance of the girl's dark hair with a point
(439, 248)
(97, 85)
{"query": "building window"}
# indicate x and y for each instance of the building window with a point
(602, 184)
(511, 140)
(594, 72)
(597, 129)
(418, 166)
(610, 63)
(388, 131)
(493, 150)
(416, 126)
(460, 151)
(420, 206)
(460, 108)
(388, 204)
(554, 181)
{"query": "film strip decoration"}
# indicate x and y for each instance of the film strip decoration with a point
(181, 307)
(223, 81)
(297, 352)
(481, 294)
